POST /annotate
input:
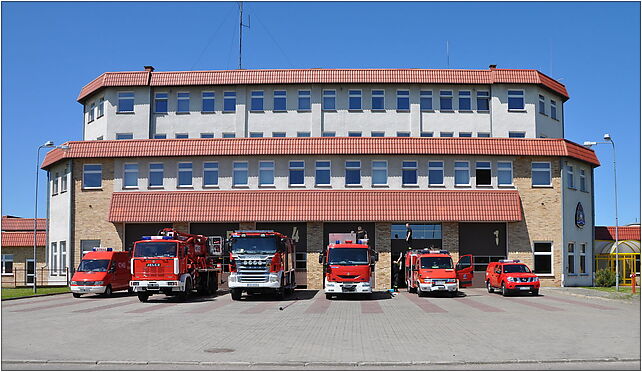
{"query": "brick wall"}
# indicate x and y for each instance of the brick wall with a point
(20, 256)
(450, 238)
(382, 270)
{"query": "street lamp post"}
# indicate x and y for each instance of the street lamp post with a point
(47, 144)
(608, 139)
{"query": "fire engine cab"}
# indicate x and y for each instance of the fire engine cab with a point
(433, 271)
(348, 267)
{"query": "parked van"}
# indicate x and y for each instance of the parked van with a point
(102, 271)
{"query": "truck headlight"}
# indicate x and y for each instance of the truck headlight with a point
(511, 279)
(535, 279)
(73, 282)
(98, 283)
(451, 281)
(274, 278)
(427, 280)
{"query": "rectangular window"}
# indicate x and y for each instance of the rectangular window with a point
(435, 173)
(256, 102)
(482, 173)
(280, 100)
(182, 102)
(208, 101)
(553, 110)
(483, 134)
(541, 173)
(570, 177)
(256, 134)
(278, 134)
(184, 174)
(130, 175)
(54, 258)
(322, 173)
(54, 184)
(92, 110)
(304, 100)
(542, 105)
(403, 134)
(160, 103)
(328, 134)
(354, 134)
(156, 174)
(462, 173)
(329, 99)
(378, 100)
(427, 134)
(297, 173)
(229, 135)
(379, 172)
(92, 176)
(515, 99)
(409, 173)
(425, 100)
(483, 100)
(63, 257)
(377, 134)
(87, 246)
(125, 102)
(582, 180)
(207, 135)
(465, 134)
(516, 134)
(543, 258)
(160, 136)
(210, 173)
(570, 258)
(266, 173)
(7, 263)
(583, 258)
(465, 103)
(101, 107)
(403, 100)
(303, 134)
(240, 173)
(124, 136)
(446, 100)
(229, 101)
(354, 99)
(504, 173)
(181, 135)
(63, 181)
(353, 173)
(445, 134)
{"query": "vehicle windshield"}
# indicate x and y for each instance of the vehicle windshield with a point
(93, 265)
(155, 249)
(348, 256)
(258, 245)
(516, 269)
(436, 263)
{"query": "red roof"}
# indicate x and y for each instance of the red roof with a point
(624, 233)
(315, 205)
(321, 76)
(22, 224)
(23, 239)
(321, 146)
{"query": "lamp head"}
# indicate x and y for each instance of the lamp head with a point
(48, 144)
(607, 137)
(589, 143)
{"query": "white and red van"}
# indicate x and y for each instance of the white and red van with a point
(433, 271)
(102, 271)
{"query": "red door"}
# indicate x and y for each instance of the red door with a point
(464, 270)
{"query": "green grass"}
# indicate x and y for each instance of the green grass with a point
(624, 289)
(23, 292)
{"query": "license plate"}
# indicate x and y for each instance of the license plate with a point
(439, 283)
(349, 289)
(153, 285)
(524, 288)
(84, 289)
(253, 285)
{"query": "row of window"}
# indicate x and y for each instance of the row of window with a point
(571, 254)
(97, 111)
(7, 264)
(512, 134)
(446, 100)
(570, 178)
(540, 173)
(59, 180)
(58, 258)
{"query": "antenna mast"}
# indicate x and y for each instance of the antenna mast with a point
(241, 25)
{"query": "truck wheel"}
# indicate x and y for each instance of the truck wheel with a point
(212, 284)
(489, 287)
(328, 296)
(535, 292)
(107, 291)
(143, 297)
(420, 293)
(188, 289)
(77, 295)
(504, 290)
(236, 293)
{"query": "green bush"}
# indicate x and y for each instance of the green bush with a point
(604, 278)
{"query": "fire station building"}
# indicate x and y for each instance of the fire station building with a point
(474, 160)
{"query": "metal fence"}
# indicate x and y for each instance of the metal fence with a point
(21, 278)
(628, 263)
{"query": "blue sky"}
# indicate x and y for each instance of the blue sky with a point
(50, 50)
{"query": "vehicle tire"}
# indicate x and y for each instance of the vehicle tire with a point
(107, 291)
(504, 290)
(143, 297)
(328, 296)
(130, 290)
(236, 293)
(214, 286)
(77, 295)
(489, 287)
(535, 292)
(420, 293)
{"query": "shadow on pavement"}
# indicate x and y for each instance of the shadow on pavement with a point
(374, 296)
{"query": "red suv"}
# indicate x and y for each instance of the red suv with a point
(511, 276)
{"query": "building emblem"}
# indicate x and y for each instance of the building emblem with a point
(580, 221)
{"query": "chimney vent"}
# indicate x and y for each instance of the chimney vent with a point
(492, 67)
(149, 68)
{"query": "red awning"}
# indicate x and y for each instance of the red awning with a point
(314, 205)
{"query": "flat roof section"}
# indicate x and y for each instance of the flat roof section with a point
(315, 205)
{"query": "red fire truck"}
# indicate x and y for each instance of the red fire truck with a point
(175, 263)
(261, 261)
(432, 270)
(348, 267)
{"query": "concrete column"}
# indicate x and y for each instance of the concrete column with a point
(181, 226)
(382, 271)
(450, 238)
(241, 125)
(315, 247)
(316, 124)
(247, 225)
(415, 113)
